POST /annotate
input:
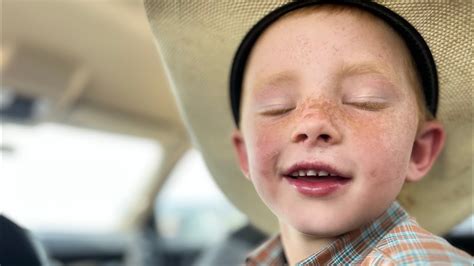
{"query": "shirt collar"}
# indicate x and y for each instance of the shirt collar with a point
(268, 253)
(350, 247)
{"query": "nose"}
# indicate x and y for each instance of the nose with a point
(316, 128)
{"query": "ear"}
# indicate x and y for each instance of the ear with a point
(427, 146)
(241, 152)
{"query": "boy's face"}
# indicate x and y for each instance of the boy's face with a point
(327, 92)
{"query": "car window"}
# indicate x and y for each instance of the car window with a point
(191, 211)
(62, 178)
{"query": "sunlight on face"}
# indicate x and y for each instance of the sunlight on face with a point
(329, 90)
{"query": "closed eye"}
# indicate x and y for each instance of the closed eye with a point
(369, 106)
(276, 111)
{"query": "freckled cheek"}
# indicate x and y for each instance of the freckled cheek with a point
(264, 147)
(383, 150)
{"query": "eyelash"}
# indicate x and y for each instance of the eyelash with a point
(276, 112)
(369, 106)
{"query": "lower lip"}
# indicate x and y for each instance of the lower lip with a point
(318, 187)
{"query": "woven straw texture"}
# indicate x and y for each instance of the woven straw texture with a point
(197, 41)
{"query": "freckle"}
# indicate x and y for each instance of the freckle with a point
(373, 173)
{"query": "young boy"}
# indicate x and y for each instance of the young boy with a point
(334, 105)
(332, 124)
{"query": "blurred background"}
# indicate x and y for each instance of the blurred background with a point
(95, 161)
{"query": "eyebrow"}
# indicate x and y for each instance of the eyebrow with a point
(366, 68)
(284, 77)
(289, 77)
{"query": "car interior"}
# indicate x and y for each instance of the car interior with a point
(97, 165)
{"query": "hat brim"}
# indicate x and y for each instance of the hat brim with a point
(197, 42)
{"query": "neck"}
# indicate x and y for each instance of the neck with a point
(299, 246)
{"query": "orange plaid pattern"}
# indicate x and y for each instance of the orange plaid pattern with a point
(393, 239)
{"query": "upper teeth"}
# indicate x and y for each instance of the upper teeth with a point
(311, 173)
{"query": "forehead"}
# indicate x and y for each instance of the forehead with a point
(334, 37)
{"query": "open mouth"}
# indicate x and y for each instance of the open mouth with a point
(310, 174)
(315, 179)
(314, 173)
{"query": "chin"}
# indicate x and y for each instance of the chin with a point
(323, 232)
(320, 228)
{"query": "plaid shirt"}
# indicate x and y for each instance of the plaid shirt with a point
(393, 239)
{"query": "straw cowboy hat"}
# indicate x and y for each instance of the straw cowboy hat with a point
(198, 40)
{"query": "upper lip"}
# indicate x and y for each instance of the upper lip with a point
(316, 166)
